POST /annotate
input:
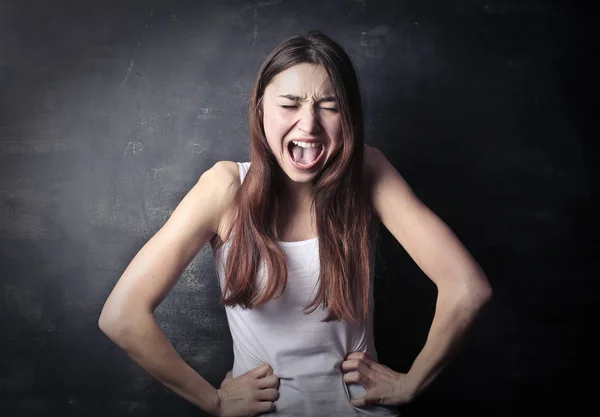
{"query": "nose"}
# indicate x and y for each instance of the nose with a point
(309, 121)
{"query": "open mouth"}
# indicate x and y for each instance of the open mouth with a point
(305, 157)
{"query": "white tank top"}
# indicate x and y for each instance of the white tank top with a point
(304, 353)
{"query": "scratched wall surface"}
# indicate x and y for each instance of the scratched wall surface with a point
(110, 111)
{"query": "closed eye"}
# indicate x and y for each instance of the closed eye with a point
(331, 109)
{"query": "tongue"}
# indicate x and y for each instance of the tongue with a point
(305, 156)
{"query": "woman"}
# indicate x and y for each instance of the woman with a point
(293, 234)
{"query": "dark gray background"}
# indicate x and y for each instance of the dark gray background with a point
(110, 111)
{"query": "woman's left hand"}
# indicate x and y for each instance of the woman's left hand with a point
(383, 386)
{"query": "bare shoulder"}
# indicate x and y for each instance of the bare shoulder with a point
(378, 164)
(228, 170)
(371, 155)
(224, 178)
(386, 182)
(374, 160)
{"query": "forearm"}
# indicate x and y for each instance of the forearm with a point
(147, 345)
(454, 315)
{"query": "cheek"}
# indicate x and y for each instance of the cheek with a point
(334, 130)
(275, 127)
(274, 132)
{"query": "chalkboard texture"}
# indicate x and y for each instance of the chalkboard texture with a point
(110, 112)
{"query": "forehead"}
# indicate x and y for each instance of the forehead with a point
(302, 80)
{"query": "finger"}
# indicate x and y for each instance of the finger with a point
(352, 377)
(269, 381)
(358, 402)
(355, 365)
(360, 356)
(261, 371)
(351, 365)
(266, 406)
(368, 398)
(269, 394)
(359, 378)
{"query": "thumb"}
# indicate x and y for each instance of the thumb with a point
(227, 379)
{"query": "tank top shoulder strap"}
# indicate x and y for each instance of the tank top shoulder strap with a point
(243, 167)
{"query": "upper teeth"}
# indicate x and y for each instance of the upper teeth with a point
(306, 144)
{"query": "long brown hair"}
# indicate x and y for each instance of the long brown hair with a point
(346, 225)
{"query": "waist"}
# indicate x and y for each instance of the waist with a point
(323, 394)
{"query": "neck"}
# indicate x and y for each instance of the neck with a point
(298, 196)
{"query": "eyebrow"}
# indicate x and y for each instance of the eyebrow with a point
(298, 98)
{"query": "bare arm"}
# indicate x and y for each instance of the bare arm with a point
(463, 289)
(127, 317)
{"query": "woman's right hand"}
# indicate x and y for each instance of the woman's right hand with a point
(249, 394)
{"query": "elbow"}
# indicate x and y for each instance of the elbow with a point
(483, 290)
(108, 323)
(479, 294)
(113, 322)
(122, 322)
(471, 296)
(487, 294)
